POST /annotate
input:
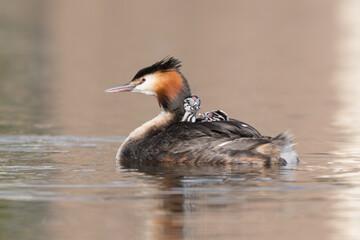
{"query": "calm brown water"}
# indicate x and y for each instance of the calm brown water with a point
(279, 65)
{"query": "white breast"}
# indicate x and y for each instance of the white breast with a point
(162, 119)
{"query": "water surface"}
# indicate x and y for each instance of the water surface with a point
(290, 65)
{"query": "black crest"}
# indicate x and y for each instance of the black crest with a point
(163, 65)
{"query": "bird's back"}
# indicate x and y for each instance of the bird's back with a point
(222, 142)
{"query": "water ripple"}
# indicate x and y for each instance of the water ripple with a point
(46, 143)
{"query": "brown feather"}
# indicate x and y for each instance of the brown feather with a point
(169, 85)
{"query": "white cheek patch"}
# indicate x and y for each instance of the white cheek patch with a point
(146, 87)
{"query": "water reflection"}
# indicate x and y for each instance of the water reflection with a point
(346, 169)
(191, 199)
(22, 111)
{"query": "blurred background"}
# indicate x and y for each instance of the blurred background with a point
(278, 65)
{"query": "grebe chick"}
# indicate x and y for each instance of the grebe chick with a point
(191, 107)
(167, 140)
(214, 115)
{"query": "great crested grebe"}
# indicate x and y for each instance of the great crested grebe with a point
(171, 137)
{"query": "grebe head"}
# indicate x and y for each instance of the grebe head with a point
(163, 80)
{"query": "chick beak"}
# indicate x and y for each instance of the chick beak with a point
(123, 88)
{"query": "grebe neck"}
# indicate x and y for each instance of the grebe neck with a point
(161, 121)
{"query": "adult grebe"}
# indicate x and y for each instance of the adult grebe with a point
(169, 139)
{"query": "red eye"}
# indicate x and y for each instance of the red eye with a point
(143, 80)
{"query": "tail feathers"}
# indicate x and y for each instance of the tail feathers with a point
(288, 156)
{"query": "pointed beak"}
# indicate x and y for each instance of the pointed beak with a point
(123, 88)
